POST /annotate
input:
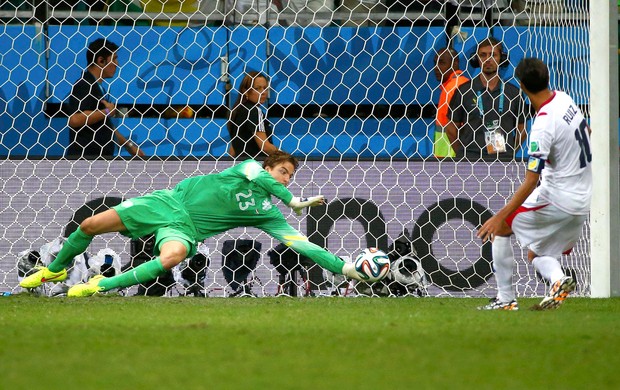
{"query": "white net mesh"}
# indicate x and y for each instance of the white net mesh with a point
(353, 96)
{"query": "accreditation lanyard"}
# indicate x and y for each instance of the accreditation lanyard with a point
(501, 102)
(105, 97)
(104, 93)
(261, 120)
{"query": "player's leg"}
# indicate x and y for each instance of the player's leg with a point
(561, 285)
(547, 266)
(172, 252)
(503, 264)
(503, 268)
(172, 245)
(105, 222)
(76, 243)
(175, 240)
(525, 224)
(544, 255)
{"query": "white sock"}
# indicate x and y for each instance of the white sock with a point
(549, 267)
(503, 263)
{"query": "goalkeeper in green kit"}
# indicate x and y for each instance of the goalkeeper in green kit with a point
(197, 208)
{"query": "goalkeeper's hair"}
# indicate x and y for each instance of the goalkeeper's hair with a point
(533, 74)
(100, 48)
(279, 157)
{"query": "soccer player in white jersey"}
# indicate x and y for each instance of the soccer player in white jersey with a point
(546, 218)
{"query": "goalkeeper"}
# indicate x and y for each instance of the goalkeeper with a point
(197, 208)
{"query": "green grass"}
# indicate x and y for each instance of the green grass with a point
(313, 343)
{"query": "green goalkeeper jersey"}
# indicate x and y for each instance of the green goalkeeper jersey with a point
(241, 196)
(237, 196)
(203, 206)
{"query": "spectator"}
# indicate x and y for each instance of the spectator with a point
(249, 131)
(451, 77)
(487, 114)
(92, 132)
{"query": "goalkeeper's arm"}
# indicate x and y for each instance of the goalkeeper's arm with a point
(298, 204)
(282, 231)
(254, 172)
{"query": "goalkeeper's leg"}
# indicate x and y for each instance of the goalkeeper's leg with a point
(172, 253)
(76, 243)
(141, 274)
(56, 271)
(105, 222)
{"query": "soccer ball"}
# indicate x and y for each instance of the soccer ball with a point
(372, 264)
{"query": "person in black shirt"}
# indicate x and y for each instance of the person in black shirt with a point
(487, 114)
(250, 132)
(92, 134)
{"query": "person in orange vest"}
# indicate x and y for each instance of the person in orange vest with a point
(451, 77)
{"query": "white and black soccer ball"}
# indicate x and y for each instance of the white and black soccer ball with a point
(372, 264)
(408, 272)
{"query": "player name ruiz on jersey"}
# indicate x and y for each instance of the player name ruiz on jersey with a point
(570, 114)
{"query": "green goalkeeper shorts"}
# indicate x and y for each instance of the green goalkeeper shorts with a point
(161, 214)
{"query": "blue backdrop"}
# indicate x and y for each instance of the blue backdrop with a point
(312, 65)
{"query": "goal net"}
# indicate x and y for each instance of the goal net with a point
(353, 95)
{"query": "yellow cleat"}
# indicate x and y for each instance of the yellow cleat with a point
(43, 275)
(86, 289)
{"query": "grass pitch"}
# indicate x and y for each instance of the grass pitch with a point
(111, 342)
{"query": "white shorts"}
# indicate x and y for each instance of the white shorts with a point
(545, 229)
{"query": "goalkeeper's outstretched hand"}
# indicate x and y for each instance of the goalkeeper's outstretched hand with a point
(350, 272)
(365, 274)
(298, 204)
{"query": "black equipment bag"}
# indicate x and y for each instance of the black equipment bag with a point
(239, 258)
(285, 260)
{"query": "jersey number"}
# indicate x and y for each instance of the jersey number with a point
(582, 137)
(245, 200)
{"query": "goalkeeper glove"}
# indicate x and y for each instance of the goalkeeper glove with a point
(348, 270)
(298, 204)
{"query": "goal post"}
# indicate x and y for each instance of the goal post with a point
(604, 216)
